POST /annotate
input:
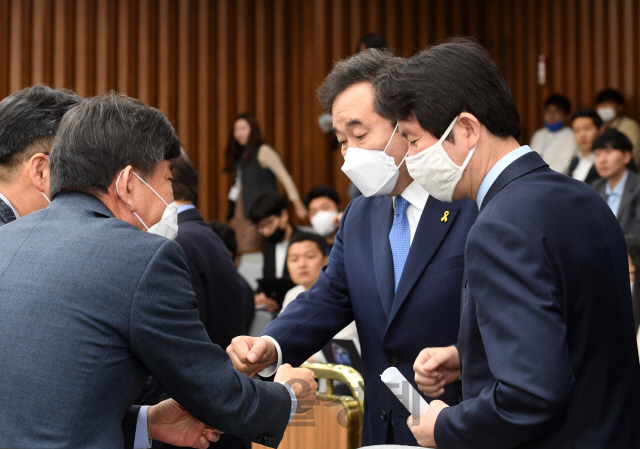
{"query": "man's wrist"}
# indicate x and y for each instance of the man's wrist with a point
(272, 367)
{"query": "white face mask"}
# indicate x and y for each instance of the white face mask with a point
(46, 197)
(435, 171)
(168, 224)
(322, 222)
(373, 172)
(607, 113)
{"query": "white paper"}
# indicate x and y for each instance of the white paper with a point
(404, 391)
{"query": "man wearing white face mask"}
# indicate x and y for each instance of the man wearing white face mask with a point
(610, 107)
(395, 267)
(323, 204)
(546, 350)
(115, 304)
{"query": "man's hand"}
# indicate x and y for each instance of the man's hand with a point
(260, 299)
(250, 355)
(423, 427)
(435, 368)
(301, 211)
(302, 383)
(170, 423)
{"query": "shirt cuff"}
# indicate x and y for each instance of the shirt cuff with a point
(142, 440)
(294, 400)
(270, 370)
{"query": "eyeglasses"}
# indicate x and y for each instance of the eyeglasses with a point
(267, 223)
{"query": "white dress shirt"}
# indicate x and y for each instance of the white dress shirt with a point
(417, 198)
(556, 148)
(582, 169)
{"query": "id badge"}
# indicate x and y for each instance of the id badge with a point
(234, 192)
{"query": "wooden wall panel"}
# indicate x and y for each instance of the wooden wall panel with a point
(204, 61)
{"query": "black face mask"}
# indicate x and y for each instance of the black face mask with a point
(277, 236)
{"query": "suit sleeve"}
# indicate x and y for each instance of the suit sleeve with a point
(129, 426)
(169, 339)
(321, 312)
(524, 336)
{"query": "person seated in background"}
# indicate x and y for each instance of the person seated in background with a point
(323, 204)
(305, 258)
(586, 125)
(619, 186)
(610, 106)
(228, 236)
(555, 143)
(269, 213)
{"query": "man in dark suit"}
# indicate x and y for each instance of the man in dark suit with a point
(619, 186)
(29, 120)
(214, 278)
(546, 348)
(395, 268)
(91, 305)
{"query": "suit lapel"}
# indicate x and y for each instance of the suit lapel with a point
(521, 166)
(627, 196)
(429, 235)
(381, 221)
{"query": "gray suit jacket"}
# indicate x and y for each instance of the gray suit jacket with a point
(89, 307)
(629, 210)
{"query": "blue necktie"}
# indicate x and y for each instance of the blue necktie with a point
(400, 239)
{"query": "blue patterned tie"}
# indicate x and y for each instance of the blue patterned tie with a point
(400, 238)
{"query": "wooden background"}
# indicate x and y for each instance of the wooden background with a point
(204, 61)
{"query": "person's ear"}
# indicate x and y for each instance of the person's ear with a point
(125, 186)
(471, 129)
(627, 157)
(39, 172)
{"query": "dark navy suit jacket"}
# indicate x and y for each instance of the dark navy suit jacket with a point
(547, 342)
(358, 283)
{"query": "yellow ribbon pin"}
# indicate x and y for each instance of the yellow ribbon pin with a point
(444, 217)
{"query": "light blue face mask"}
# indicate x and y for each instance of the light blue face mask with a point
(168, 224)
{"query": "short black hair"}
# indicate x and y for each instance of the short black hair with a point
(322, 191)
(362, 67)
(439, 83)
(613, 139)
(610, 94)
(29, 116)
(101, 136)
(266, 205)
(185, 179)
(589, 113)
(372, 40)
(308, 237)
(227, 234)
(560, 101)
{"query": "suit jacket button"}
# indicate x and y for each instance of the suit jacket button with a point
(393, 361)
(383, 415)
(262, 439)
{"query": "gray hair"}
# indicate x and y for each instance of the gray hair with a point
(102, 135)
(362, 67)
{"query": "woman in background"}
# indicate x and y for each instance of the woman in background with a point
(255, 166)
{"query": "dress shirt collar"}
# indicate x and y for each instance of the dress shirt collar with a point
(8, 203)
(493, 174)
(415, 195)
(185, 207)
(618, 189)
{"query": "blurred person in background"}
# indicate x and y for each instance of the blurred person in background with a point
(619, 186)
(255, 167)
(586, 124)
(555, 142)
(305, 258)
(228, 237)
(270, 216)
(372, 40)
(610, 105)
(323, 204)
